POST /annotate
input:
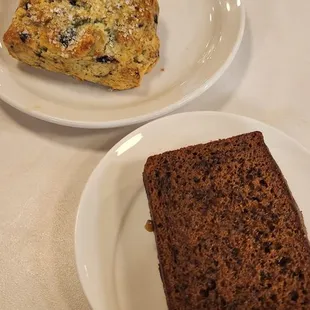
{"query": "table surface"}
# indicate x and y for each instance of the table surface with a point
(44, 167)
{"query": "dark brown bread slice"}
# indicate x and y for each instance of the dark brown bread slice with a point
(227, 229)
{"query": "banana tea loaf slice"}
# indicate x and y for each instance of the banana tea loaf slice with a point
(109, 42)
(228, 232)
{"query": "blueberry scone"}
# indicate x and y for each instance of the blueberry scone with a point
(109, 42)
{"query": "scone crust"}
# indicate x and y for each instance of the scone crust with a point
(109, 42)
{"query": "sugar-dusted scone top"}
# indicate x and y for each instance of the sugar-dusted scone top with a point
(110, 42)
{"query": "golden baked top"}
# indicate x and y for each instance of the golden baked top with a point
(107, 30)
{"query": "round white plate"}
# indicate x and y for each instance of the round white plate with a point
(116, 257)
(198, 42)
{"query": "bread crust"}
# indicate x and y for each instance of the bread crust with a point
(227, 228)
(111, 42)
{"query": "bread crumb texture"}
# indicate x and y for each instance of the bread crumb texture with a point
(110, 42)
(227, 228)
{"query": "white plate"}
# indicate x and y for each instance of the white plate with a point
(116, 257)
(198, 42)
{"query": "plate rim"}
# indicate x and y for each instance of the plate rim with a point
(96, 170)
(147, 116)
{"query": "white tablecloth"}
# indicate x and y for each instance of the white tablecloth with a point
(44, 167)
